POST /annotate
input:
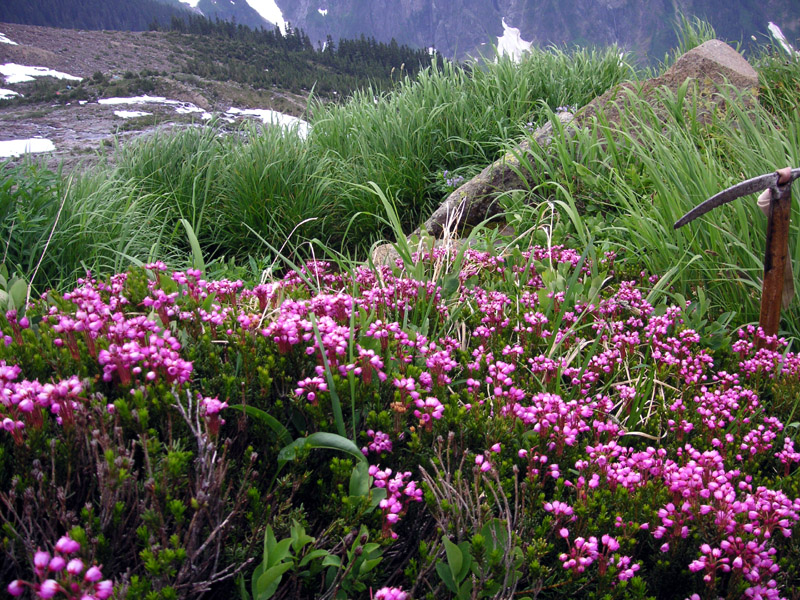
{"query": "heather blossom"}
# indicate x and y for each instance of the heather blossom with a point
(56, 576)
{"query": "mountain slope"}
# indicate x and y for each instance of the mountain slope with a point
(457, 27)
(90, 14)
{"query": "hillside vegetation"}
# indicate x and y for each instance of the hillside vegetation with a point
(219, 396)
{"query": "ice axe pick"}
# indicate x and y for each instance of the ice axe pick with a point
(776, 259)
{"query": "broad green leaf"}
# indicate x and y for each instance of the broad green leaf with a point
(368, 565)
(446, 576)
(300, 539)
(209, 301)
(378, 494)
(313, 555)
(17, 293)
(243, 595)
(197, 253)
(332, 561)
(269, 581)
(321, 439)
(359, 479)
(465, 591)
(283, 434)
(466, 555)
(279, 552)
(455, 558)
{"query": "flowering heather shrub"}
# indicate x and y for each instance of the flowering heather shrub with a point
(596, 445)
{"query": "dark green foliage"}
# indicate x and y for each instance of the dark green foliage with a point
(90, 14)
(264, 58)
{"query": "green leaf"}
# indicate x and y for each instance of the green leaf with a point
(279, 552)
(313, 555)
(466, 555)
(283, 434)
(300, 539)
(209, 301)
(368, 565)
(465, 591)
(321, 439)
(269, 581)
(243, 595)
(455, 558)
(378, 494)
(332, 561)
(446, 576)
(197, 253)
(359, 479)
(17, 293)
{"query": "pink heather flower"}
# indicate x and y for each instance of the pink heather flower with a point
(75, 566)
(57, 564)
(483, 463)
(495, 448)
(15, 588)
(41, 559)
(48, 589)
(93, 574)
(104, 589)
(213, 406)
(65, 545)
(391, 593)
(563, 532)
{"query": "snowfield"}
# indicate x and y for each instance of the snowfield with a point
(511, 43)
(6, 94)
(5, 40)
(183, 108)
(131, 114)
(13, 148)
(273, 117)
(270, 11)
(15, 73)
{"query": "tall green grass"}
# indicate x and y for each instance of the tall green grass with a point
(661, 159)
(235, 189)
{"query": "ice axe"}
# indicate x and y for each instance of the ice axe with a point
(776, 202)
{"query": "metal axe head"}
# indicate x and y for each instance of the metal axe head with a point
(745, 188)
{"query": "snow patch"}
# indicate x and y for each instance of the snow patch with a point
(192, 3)
(269, 11)
(131, 114)
(182, 108)
(6, 94)
(273, 117)
(511, 43)
(11, 148)
(323, 11)
(776, 32)
(5, 40)
(15, 73)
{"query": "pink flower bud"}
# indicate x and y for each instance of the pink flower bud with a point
(93, 574)
(57, 564)
(41, 559)
(65, 545)
(48, 589)
(15, 588)
(75, 566)
(104, 589)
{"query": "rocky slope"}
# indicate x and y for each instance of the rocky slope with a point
(112, 64)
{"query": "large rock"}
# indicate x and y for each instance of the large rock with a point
(708, 66)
